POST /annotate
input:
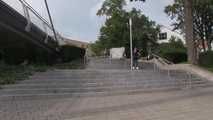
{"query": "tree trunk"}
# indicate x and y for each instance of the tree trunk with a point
(204, 45)
(209, 45)
(191, 46)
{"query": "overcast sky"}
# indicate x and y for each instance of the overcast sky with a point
(77, 19)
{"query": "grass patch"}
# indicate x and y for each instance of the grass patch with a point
(207, 68)
(11, 74)
(210, 69)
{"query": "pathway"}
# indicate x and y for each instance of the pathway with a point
(107, 90)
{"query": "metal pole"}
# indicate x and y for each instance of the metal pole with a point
(51, 21)
(131, 39)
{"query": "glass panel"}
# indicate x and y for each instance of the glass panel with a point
(36, 20)
(15, 4)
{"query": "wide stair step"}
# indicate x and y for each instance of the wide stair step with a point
(99, 82)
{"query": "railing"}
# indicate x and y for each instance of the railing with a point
(33, 17)
(187, 82)
(162, 60)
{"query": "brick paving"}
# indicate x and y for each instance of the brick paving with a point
(95, 103)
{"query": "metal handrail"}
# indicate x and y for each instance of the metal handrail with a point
(164, 60)
(188, 82)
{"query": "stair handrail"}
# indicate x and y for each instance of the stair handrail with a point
(162, 60)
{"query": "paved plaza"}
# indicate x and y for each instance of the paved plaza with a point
(108, 90)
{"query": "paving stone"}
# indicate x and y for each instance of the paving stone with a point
(108, 90)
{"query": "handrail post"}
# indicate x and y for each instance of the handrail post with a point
(45, 29)
(27, 15)
(51, 21)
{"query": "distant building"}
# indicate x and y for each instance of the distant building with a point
(166, 34)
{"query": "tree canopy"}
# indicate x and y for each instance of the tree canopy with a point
(202, 19)
(115, 31)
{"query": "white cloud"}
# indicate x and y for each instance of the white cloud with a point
(167, 2)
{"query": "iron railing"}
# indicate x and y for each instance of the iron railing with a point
(186, 82)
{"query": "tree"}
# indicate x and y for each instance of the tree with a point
(201, 23)
(115, 32)
(110, 7)
(192, 53)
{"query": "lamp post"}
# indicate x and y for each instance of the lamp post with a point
(131, 39)
(131, 35)
(51, 21)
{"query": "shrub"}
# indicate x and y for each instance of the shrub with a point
(175, 56)
(173, 51)
(70, 53)
(206, 59)
(14, 55)
(1, 56)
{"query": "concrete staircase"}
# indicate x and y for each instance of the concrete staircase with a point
(97, 81)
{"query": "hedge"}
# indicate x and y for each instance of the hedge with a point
(35, 55)
(175, 56)
(206, 59)
(70, 53)
(174, 51)
(1, 56)
(31, 54)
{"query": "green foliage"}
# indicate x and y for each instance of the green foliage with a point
(206, 59)
(70, 53)
(175, 56)
(15, 55)
(202, 15)
(10, 74)
(173, 51)
(97, 48)
(110, 7)
(115, 32)
(28, 55)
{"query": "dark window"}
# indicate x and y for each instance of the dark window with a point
(162, 36)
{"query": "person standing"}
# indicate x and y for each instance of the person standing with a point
(136, 56)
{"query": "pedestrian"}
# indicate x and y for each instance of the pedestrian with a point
(136, 56)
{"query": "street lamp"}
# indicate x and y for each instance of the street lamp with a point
(131, 35)
(51, 21)
(131, 39)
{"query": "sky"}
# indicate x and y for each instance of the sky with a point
(76, 19)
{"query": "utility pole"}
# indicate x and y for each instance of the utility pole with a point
(189, 32)
(51, 21)
(131, 39)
